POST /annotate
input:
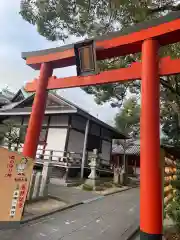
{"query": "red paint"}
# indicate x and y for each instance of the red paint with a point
(58, 59)
(37, 115)
(150, 171)
(10, 166)
(20, 205)
(167, 66)
(131, 43)
(166, 33)
(22, 196)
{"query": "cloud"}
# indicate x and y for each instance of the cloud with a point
(17, 36)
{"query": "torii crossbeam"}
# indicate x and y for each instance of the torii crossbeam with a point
(147, 38)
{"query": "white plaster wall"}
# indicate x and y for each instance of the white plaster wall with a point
(59, 120)
(106, 150)
(56, 140)
(76, 141)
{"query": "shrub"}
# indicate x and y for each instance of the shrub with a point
(108, 185)
(99, 188)
(117, 185)
(87, 187)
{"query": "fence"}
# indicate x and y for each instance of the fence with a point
(55, 156)
(65, 159)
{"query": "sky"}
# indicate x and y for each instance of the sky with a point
(18, 36)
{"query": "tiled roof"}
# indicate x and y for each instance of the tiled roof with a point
(132, 150)
(3, 99)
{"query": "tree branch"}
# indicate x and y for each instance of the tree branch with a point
(167, 7)
(165, 84)
(89, 6)
(176, 109)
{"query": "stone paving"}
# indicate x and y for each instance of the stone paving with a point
(104, 219)
(64, 197)
(137, 237)
(43, 206)
(70, 195)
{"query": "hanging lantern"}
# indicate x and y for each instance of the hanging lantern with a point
(85, 54)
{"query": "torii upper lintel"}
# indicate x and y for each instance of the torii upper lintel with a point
(166, 30)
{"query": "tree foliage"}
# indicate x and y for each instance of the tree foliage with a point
(128, 119)
(58, 19)
(170, 111)
(11, 135)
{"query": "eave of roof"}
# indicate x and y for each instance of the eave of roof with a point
(27, 111)
(132, 150)
(25, 94)
(135, 150)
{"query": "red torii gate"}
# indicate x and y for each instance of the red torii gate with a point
(146, 37)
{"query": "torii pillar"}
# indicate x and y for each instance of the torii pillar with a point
(150, 170)
(38, 109)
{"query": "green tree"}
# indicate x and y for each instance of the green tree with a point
(128, 119)
(11, 135)
(58, 19)
(170, 112)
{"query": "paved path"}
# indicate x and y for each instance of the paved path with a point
(70, 194)
(104, 219)
(137, 237)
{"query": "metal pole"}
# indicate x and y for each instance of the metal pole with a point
(84, 149)
(124, 157)
(150, 171)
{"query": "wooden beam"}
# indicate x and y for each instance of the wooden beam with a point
(84, 148)
(167, 66)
